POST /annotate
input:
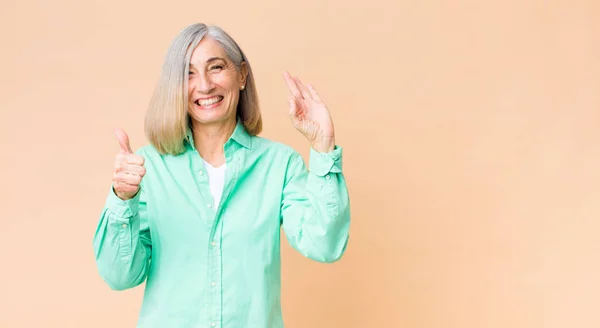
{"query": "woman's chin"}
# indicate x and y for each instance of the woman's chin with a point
(209, 116)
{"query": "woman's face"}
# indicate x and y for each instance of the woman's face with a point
(214, 84)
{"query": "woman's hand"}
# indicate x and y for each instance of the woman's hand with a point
(309, 115)
(129, 169)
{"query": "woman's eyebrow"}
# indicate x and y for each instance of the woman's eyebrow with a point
(211, 59)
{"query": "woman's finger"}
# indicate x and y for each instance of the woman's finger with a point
(122, 187)
(313, 93)
(293, 106)
(135, 169)
(289, 80)
(123, 178)
(130, 168)
(305, 93)
(130, 159)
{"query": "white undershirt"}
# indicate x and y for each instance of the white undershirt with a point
(216, 180)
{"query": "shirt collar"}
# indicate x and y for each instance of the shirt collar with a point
(239, 135)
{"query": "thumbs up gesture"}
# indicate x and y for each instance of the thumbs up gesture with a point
(129, 169)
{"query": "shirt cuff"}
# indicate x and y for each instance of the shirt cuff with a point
(323, 163)
(123, 208)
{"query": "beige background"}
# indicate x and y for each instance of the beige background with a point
(471, 138)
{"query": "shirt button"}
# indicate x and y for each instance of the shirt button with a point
(214, 244)
(208, 205)
(124, 225)
(327, 177)
(213, 284)
(213, 324)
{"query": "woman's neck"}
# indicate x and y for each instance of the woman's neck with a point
(210, 139)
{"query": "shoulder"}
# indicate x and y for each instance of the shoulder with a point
(278, 156)
(152, 157)
(148, 152)
(274, 148)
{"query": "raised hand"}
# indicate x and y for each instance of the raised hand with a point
(309, 115)
(129, 169)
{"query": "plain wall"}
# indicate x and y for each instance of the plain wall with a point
(472, 153)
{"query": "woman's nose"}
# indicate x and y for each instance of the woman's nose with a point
(203, 84)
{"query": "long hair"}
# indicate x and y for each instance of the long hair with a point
(167, 116)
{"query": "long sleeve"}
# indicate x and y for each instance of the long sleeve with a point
(316, 206)
(122, 244)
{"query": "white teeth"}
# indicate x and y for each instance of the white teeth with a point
(208, 102)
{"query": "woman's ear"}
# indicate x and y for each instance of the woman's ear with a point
(243, 74)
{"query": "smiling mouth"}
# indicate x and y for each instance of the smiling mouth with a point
(208, 102)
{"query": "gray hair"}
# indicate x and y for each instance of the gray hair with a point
(167, 117)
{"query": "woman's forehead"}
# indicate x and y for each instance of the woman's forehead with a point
(206, 51)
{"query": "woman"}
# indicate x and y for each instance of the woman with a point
(197, 213)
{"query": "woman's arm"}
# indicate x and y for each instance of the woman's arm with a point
(122, 243)
(315, 210)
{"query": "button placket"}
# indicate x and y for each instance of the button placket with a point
(215, 256)
(215, 273)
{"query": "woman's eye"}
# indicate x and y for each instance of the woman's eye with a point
(216, 67)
